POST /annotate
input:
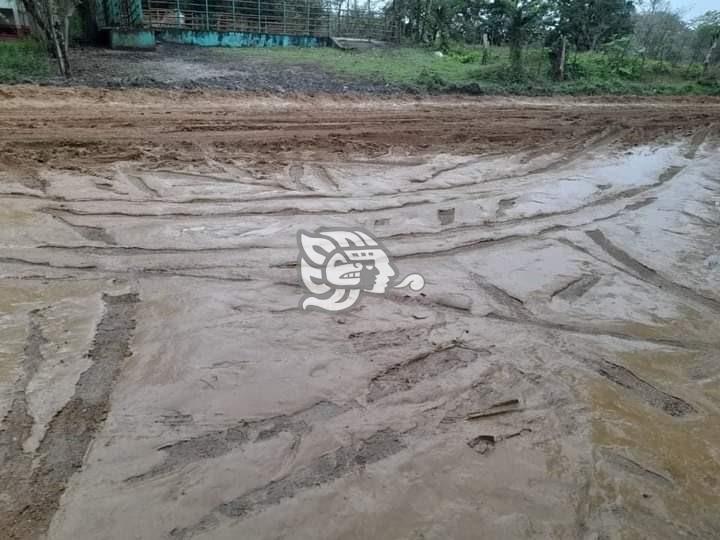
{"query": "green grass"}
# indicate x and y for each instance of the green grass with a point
(22, 59)
(460, 70)
(396, 65)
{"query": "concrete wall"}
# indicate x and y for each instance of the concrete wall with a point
(132, 39)
(19, 16)
(237, 39)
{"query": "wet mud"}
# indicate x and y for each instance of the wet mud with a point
(557, 377)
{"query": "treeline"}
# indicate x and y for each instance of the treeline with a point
(626, 30)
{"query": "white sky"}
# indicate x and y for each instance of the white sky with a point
(694, 8)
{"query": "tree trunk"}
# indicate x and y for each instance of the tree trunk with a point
(516, 63)
(486, 49)
(66, 34)
(56, 37)
(560, 60)
(708, 56)
(45, 15)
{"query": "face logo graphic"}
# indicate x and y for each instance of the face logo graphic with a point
(336, 266)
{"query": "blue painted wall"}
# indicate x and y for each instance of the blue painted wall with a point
(237, 39)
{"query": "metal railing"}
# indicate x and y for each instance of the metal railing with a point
(119, 13)
(289, 17)
(362, 24)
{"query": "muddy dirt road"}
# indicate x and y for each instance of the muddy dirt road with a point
(558, 377)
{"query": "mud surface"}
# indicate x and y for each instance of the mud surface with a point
(558, 377)
(177, 67)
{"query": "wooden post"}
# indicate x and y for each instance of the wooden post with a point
(234, 23)
(207, 15)
(258, 11)
(486, 49)
(307, 18)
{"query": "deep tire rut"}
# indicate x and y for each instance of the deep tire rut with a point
(41, 479)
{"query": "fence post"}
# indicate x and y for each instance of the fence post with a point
(207, 15)
(258, 4)
(284, 17)
(177, 13)
(307, 19)
(234, 23)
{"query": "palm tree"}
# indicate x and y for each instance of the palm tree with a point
(521, 18)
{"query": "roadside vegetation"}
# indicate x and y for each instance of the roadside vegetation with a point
(461, 69)
(537, 47)
(640, 47)
(22, 59)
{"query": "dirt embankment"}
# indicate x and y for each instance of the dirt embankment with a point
(70, 127)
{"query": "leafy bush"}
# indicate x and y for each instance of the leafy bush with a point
(431, 80)
(22, 59)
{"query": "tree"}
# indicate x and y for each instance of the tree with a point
(708, 36)
(662, 34)
(521, 20)
(588, 24)
(51, 18)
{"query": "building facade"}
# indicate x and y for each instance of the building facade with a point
(13, 19)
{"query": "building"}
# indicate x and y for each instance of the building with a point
(14, 22)
(236, 23)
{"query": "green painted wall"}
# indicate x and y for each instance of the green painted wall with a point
(237, 39)
(132, 39)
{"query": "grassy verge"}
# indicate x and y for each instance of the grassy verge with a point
(22, 59)
(461, 70)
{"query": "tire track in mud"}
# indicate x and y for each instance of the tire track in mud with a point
(576, 288)
(405, 375)
(664, 177)
(17, 423)
(648, 274)
(42, 478)
(615, 373)
(628, 465)
(697, 140)
(357, 454)
(640, 388)
(219, 443)
(46, 264)
(92, 233)
(318, 472)
(600, 331)
(670, 173)
(667, 175)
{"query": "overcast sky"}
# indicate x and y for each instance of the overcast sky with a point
(695, 8)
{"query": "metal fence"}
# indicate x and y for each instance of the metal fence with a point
(289, 17)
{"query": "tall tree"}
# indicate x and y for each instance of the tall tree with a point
(662, 34)
(708, 37)
(51, 17)
(588, 24)
(521, 19)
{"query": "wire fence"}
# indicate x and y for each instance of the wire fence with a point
(289, 17)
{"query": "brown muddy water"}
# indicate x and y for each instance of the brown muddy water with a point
(557, 377)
